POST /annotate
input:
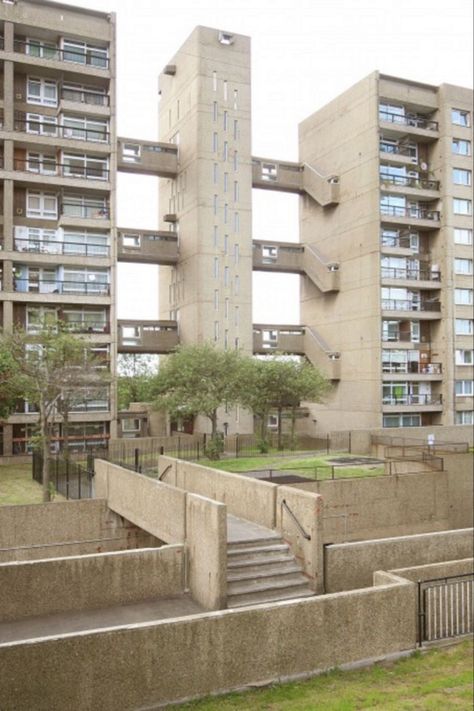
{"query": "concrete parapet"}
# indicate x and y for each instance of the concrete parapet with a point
(206, 539)
(86, 582)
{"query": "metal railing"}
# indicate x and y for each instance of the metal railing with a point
(91, 406)
(408, 305)
(398, 149)
(88, 211)
(284, 506)
(409, 182)
(445, 607)
(418, 274)
(66, 170)
(56, 286)
(413, 400)
(76, 327)
(414, 368)
(414, 120)
(46, 246)
(45, 128)
(70, 478)
(418, 213)
(46, 51)
(401, 241)
(84, 97)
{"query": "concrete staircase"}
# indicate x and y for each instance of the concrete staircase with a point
(263, 570)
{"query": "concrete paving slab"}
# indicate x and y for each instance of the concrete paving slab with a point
(238, 529)
(117, 616)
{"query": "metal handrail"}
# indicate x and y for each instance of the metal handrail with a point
(57, 286)
(410, 181)
(413, 400)
(64, 169)
(88, 211)
(300, 527)
(57, 53)
(413, 368)
(407, 305)
(96, 99)
(57, 129)
(414, 273)
(398, 148)
(46, 246)
(165, 471)
(409, 120)
(416, 212)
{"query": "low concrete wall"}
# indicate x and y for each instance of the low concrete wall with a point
(142, 666)
(307, 508)
(361, 439)
(206, 538)
(56, 585)
(64, 528)
(460, 475)
(247, 498)
(373, 507)
(154, 506)
(349, 566)
(436, 570)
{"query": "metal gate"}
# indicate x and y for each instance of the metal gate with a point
(445, 607)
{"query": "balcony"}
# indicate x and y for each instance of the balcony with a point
(57, 286)
(404, 150)
(80, 96)
(408, 182)
(424, 273)
(421, 217)
(147, 247)
(410, 119)
(268, 338)
(87, 210)
(415, 368)
(48, 247)
(424, 403)
(91, 60)
(49, 169)
(425, 308)
(159, 337)
(48, 127)
(147, 158)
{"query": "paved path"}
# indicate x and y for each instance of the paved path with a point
(238, 529)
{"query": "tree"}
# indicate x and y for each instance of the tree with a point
(280, 384)
(199, 379)
(136, 373)
(51, 370)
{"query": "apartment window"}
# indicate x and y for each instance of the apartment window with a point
(236, 285)
(236, 191)
(131, 152)
(462, 207)
(41, 125)
(461, 147)
(86, 129)
(462, 177)
(463, 297)
(93, 244)
(84, 94)
(464, 418)
(236, 316)
(41, 163)
(236, 160)
(465, 356)
(85, 281)
(130, 425)
(216, 267)
(236, 222)
(226, 213)
(215, 142)
(236, 98)
(84, 166)
(85, 207)
(42, 205)
(462, 236)
(226, 182)
(402, 420)
(236, 130)
(214, 204)
(226, 243)
(459, 117)
(37, 318)
(214, 111)
(225, 120)
(225, 89)
(226, 308)
(41, 91)
(463, 266)
(226, 339)
(225, 154)
(214, 81)
(237, 346)
(215, 236)
(84, 53)
(38, 48)
(464, 388)
(464, 327)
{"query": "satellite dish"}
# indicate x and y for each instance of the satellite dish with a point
(423, 165)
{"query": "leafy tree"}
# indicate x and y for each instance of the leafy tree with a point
(136, 373)
(280, 384)
(198, 379)
(52, 370)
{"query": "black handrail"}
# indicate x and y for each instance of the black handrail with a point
(65, 55)
(300, 527)
(56, 129)
(408, 120)
(46, 246)
(66, 170)
(165, 471)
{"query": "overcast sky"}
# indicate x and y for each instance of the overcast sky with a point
(304, 53)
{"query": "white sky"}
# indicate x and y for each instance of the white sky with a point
(304, 53)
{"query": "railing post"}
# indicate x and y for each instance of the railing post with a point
(350, 442)
(327, 443)
(137, 459)
(79, 485)
(179, 447)
(67, 479)
(236, 446)
(197, 447)
(57, 474)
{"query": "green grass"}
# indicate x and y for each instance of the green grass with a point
(17, 486)
(310, 466)
(437, 680)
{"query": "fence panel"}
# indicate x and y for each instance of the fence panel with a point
(445, 608)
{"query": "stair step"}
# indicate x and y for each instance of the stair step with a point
(268, 575)
(262, 585)
(256, 563)
(252, 542)
(266, 597)
(268, 549)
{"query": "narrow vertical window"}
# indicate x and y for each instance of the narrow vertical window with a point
(225, 153)
(216, 299)
(215, 173)
(236, 284)
(225, 120)
(226, 213)
(214, 204)
(226, 276)
(236, 130)
(216, 330)
(236, 191)
(237, 346)
(225, 89)
(226, 308)
(236, 316)
(236, 222)
(236, 98)
(215, 142)
(226, 243)
(215, 236)
(226, 182)
(226, 339)
(216, 267)
(214, 111)
(214, 81)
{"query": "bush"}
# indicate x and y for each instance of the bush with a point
(214, 448)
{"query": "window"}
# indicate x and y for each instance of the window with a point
(236, 98)
(215, 173)
(87, 129)
(465, 357)
(236, 160)
(464, 388)
(464, 418)
(216, 267)
(462, 177)
(84, 207)
(461, 147)
(236, 316)
(236, 130)
(84, 166)
(462, 207)
(236, 222)
(41, 125)
(84, 94)
(226, 182)
(216, 330)
(464, 327)
(463, 297)
(42, 205)
(226, 308)
(38, 48)
(215, 204)
(41, 91)
(131, 152)
(459, 117)
(225, 118)
(215, 142)
(226, 213)
(225, 89)
(130, 424)
(214, 110)
(84, 53)
(35, 239)
(236, 191)
(236, 284)
(226, 243)
(216, 299)
(91, 244)
(41, 163)
(84, 280)
(225, 154)
(462, 236)
(463, 266)
(226, 276)
(402, 420)
(215, 236)
(214, 81)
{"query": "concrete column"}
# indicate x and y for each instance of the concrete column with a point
(8, 36)
(8, 213)
(7, 440)
(7, 315)
(8, 89)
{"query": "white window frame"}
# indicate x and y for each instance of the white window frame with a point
(462, 114)
(463, 297)
(41, 99)
(464, 388)
(456, 145)
(459, 173)
(37, 123)
(463, 266)
(462, 206)
(465, 357)
(464, 322)
(463, 235)
(42, 211)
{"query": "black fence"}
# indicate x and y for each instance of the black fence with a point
(445, 608)
(67, 477)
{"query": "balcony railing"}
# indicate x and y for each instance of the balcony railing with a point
(412, 400)
(46, 51)
(413, 367)
(395, 337)
(66, 170)
(409, 120)
(85, 97)
(55, 130)
(409, 182)
(401, 241)
(91, 406)
(52, 247)
(425, 274)
(56, 286)
(401, 149)
(87, 211)
(408, 305)
(76, 327)
(418, 213)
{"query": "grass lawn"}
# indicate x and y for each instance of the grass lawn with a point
(310, 466)
(17, 486)
(437, 680)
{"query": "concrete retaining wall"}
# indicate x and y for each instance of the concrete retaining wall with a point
(64, 528)
(206, 538)
(56, 585)
(460, 475)
(361, 439)
(349, 566)
(436, 570)
(244, 497)
(145, 665)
